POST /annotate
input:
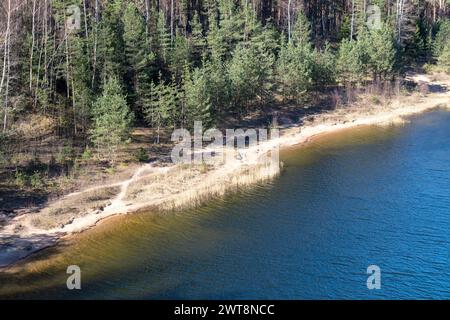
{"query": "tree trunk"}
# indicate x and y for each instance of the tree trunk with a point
(352, 25)
(94, 54)
(289, 20)
(32, 44)
(146, 18)
(171, 21)
(6, 64)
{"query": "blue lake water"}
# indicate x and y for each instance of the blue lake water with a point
(365, 196)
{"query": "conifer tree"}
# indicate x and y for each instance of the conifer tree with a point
(180, 55)
(250, 74)
(444, 58)
(295, 65)
(112, 119)
(381, 52)
(163, 39)
(301, 35)
(218, 84)
(138, 56)
(111, 46)
(196, 94)
(82, 93)
(352, 60)
(324, 70)
(197, 40)
(442, 37)
(161, 108)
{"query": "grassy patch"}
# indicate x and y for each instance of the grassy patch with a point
(72, 207)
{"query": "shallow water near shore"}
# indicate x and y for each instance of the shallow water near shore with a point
(347, 200)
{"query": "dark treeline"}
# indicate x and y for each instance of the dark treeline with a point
(167, 63)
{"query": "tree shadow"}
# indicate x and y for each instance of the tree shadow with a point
(13, 200)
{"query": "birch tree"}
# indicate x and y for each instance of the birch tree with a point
(6, 63)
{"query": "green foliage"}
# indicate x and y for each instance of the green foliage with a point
(4, 148)
(444, 58)
(324, 71)
(81, 74)
(138, 56)
(142, 155)
(351, 60)
(223, 38)
(197, 100)
(197, 40)
(373, 51)
(295, 69)
(250, 76)
(180, 54)
(87, 154)
(301, 34)
(344, 30)
(442, 37)
(381, 52)
(218, 85)
(66, 155)
(420, 46)
(110, 41)
(161, 108)
(300, 67)
(37, 180)
(163, 45)
(3, 158)
(223, 58)
(20, 179)
(134, 36)
(112, 119)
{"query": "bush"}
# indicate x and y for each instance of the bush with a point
(110, 170)
(296, 62)
(428, 68)
(87, 153)
(4, 142)
(373, 52)
(324, 67)
(112, 119)
(250, 75)
(20, 179)
(442, 38)
(295, 68)
(3, 159)
(142, 155)
(37, 181)
(375, 100)
(444, 58)
(65, 155)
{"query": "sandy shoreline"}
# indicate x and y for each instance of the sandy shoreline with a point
(137, 195)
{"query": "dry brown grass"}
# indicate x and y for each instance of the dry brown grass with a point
(440, 76)
(66, 209)
(160, 184)
(35, 125)
(188, 186)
